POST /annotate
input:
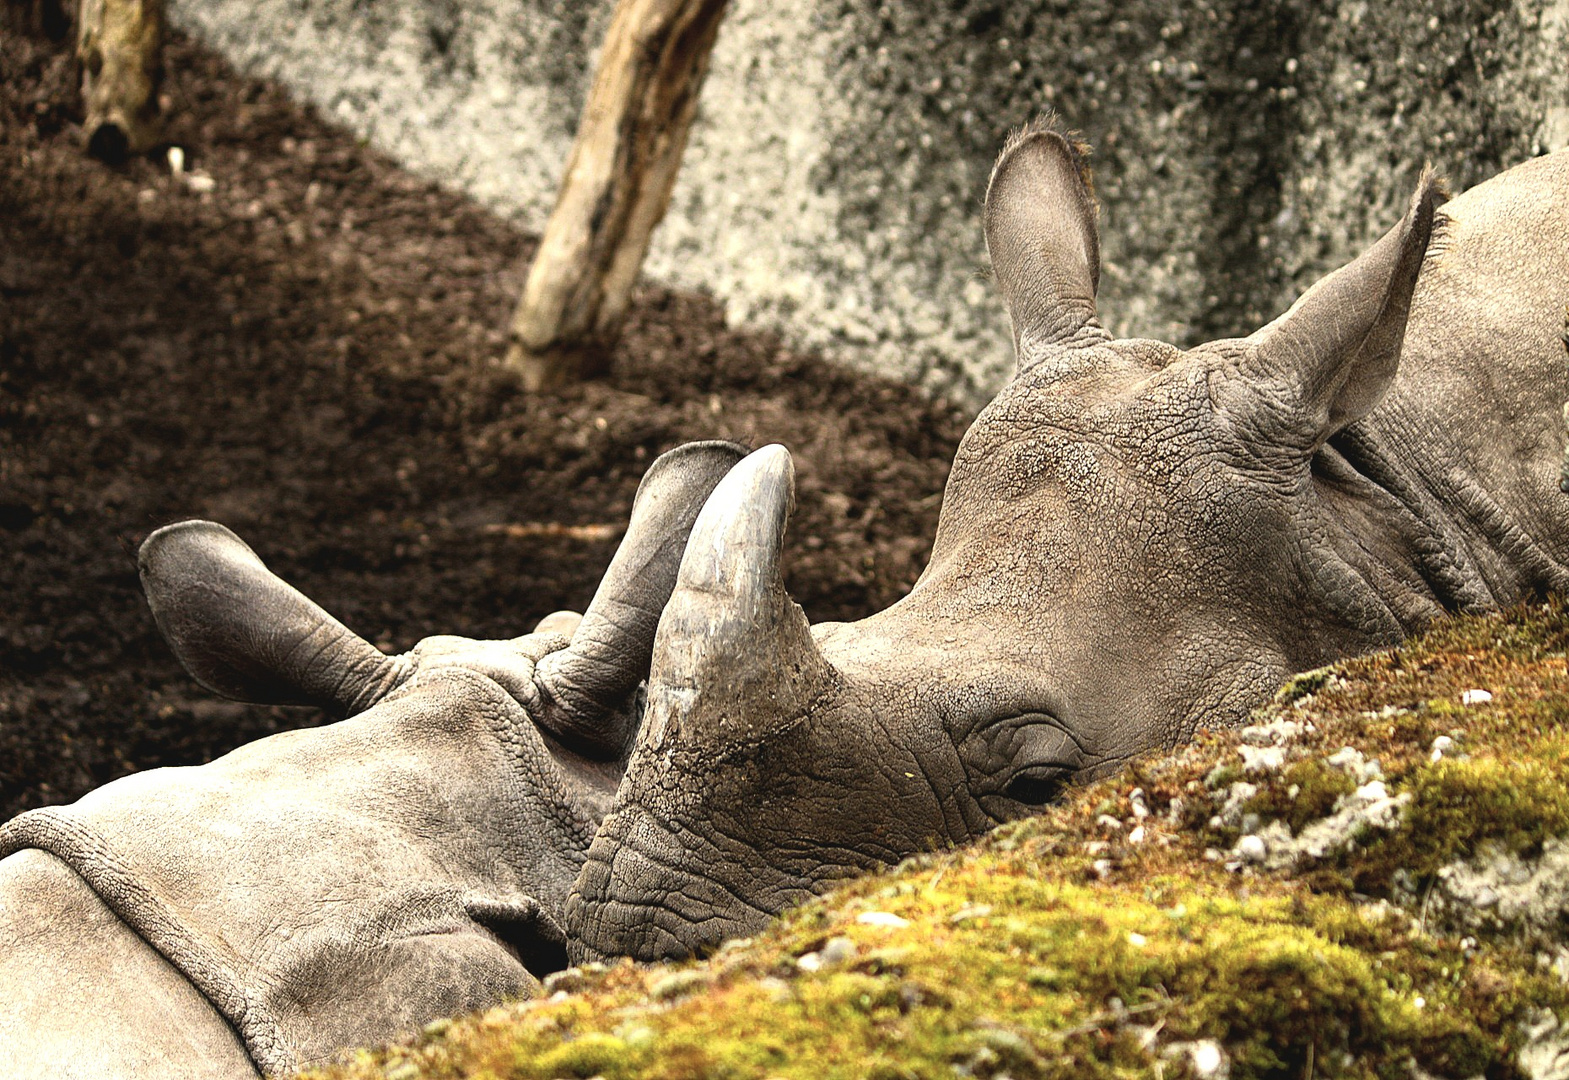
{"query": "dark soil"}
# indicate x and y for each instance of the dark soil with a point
(307, 353)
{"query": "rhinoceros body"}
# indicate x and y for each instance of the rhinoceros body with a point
(338, 886)
(1135, 541)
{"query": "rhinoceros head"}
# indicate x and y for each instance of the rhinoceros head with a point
(1128, 548)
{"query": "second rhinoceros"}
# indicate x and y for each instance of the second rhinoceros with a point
(336, 886)
(1135, 540)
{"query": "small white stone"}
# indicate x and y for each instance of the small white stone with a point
(839, 950)
(1441, 746)
(1102, 868)
(881, 918)
(1208, 1058)
(1109, 823)
(1253, 848)
(1205, 1057)
(1137, 940)
(809, 962)
(200, 183)
(1137, 835)
(1475, 697)
(1348, 759)
(176, 161)
(1262, 759)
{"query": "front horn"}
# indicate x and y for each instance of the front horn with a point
(734, 657)
(245, 633)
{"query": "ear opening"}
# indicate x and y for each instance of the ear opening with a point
(1044, 245)
(1337, 350)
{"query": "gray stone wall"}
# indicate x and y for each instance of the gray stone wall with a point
(833, 183)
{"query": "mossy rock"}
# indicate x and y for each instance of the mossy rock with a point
(1332, 929)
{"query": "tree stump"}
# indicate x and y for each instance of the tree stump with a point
(120, 46)
(617, 186)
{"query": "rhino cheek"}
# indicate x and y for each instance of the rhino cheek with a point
(701, 848)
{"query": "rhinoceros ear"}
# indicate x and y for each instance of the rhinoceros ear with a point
(587, 687)
(1335, 352)
(243, 632)
(1045, 250)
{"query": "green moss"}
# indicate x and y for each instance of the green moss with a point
(1458, 805)
(1304, 792)
(591, 1054)
(1300, 686)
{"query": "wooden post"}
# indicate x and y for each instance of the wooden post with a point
(617, 185)
(120, 46)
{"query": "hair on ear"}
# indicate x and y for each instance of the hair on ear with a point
(1050, 123)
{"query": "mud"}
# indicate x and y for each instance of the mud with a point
(299, 339)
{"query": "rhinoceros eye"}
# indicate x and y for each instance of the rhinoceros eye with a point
(1037, 787)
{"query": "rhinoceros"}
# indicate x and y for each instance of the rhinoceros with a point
(335, 886)
(1135, 541)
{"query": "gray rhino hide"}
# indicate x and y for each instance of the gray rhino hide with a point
(343, 885)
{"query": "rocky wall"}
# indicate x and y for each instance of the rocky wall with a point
(833, 183)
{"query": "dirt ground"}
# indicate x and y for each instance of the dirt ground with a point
(306, 351)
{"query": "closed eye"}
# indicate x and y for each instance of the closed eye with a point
(1037, 787)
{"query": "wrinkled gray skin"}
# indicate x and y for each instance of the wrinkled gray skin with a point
(1135, 541)
(337, 886)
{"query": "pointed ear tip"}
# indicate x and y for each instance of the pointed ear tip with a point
(1048, 132)
(183, 533)
(1431, 190)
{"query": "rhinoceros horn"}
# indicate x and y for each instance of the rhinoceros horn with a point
(243, 632)
(733, 650)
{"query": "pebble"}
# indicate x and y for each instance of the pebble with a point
(1347, 758)
(1205, 1058)
(1475, 697)
(1262, 759)
(839, 950)
(1252, 849)
(881, 918)
(1441, 746)
(1275, 733)
(678, 984)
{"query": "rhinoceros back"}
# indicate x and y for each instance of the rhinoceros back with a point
(81, 995)
(325, 888)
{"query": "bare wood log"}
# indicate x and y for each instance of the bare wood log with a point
(617, 185)
(120, 46)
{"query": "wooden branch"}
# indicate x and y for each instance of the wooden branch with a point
(617, 186)
(120, 46)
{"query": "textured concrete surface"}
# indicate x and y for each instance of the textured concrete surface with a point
(833, 183)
